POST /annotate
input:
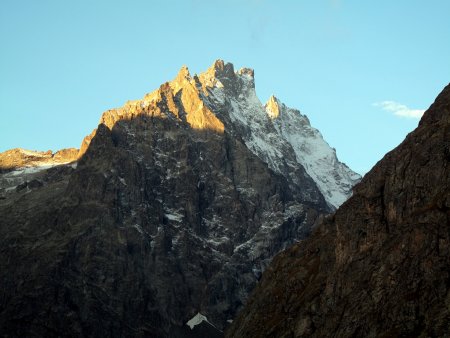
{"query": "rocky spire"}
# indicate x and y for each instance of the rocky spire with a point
(247, 71)
(180, 80)
(183, 74)
(220, 70)
(273, 107)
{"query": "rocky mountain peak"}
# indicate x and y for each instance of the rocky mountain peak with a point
(272, 107)
(222, 74)
(182, 77)
(247, 71)
(221, 99)
(184, 72)
(221, 69)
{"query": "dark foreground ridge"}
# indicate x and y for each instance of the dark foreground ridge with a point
(380, 266)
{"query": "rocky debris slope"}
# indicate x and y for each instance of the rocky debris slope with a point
(174, 208)
(380, 266)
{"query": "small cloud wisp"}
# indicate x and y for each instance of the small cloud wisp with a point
(400, 109)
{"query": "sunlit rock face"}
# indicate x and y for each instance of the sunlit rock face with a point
(20, 158)
(380, 266)
(174, 206)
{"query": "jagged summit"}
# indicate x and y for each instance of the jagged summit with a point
(221, 99)
(221, 68)
(182, 75)
(247, 71)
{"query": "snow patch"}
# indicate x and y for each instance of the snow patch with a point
(215, 242)
(173, 215)
(218, 84)
(196, 320)
(10, 188)
(32, 170)
(138, 228)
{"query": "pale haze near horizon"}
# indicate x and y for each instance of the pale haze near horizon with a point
(362, 72)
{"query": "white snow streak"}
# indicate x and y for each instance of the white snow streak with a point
(197, 319)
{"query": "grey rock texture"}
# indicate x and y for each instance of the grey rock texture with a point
(378, 267)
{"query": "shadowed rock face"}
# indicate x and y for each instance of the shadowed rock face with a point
(380, 266)
(153, 226)
(166, 214)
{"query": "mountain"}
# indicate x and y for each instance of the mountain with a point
(380, 265)
(163, 221)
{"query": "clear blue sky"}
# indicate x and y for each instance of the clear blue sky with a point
(62, 63)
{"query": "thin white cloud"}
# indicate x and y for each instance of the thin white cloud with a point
(399, 109)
